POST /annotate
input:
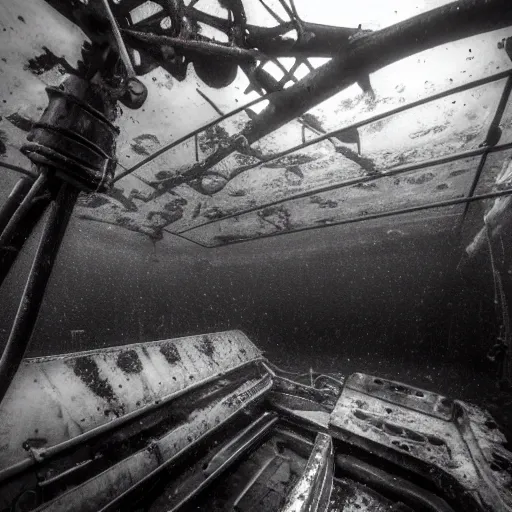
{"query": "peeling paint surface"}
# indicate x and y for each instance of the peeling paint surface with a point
(73, 394)
(39, 47)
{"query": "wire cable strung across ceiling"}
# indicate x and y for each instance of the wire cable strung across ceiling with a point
(374, 216)
(454, 90)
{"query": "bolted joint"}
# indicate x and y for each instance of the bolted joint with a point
(75, 135)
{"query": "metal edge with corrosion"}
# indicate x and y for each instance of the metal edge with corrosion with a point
(57, 402)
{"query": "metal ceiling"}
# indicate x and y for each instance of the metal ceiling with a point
(422, 139)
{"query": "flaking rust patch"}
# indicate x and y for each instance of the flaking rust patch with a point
(87, 370)
(129, 362)
(144, 144)
(171, 354)
(23, 123)
(206, 347)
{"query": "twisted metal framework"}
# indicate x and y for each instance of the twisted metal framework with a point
(171, 38)
(68, 156)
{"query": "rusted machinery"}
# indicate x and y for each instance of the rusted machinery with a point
(206, 423)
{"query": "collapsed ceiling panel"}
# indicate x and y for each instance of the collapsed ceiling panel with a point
(189, 189)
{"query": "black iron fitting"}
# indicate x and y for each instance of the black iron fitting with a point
(75, 135)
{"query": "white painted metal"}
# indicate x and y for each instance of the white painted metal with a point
(55, 402)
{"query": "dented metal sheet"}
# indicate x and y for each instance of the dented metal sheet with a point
(104, 489)
(57, 401)
(429, 434)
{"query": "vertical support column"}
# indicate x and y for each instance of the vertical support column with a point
(31, 300)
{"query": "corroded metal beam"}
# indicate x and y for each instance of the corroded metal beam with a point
(107, 490)
(313, 490)
(492, 138)
(18, 169)
(58, 402)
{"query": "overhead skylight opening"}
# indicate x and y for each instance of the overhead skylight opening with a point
(262, 105)
(166, 23)
(291, 34)
(144, 11)
(274, 70)
(213, 33)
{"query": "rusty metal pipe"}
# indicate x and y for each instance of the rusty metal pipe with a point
(14, 200)
(123, 52)
(23, 209)
(203, 47)
(31, 300)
